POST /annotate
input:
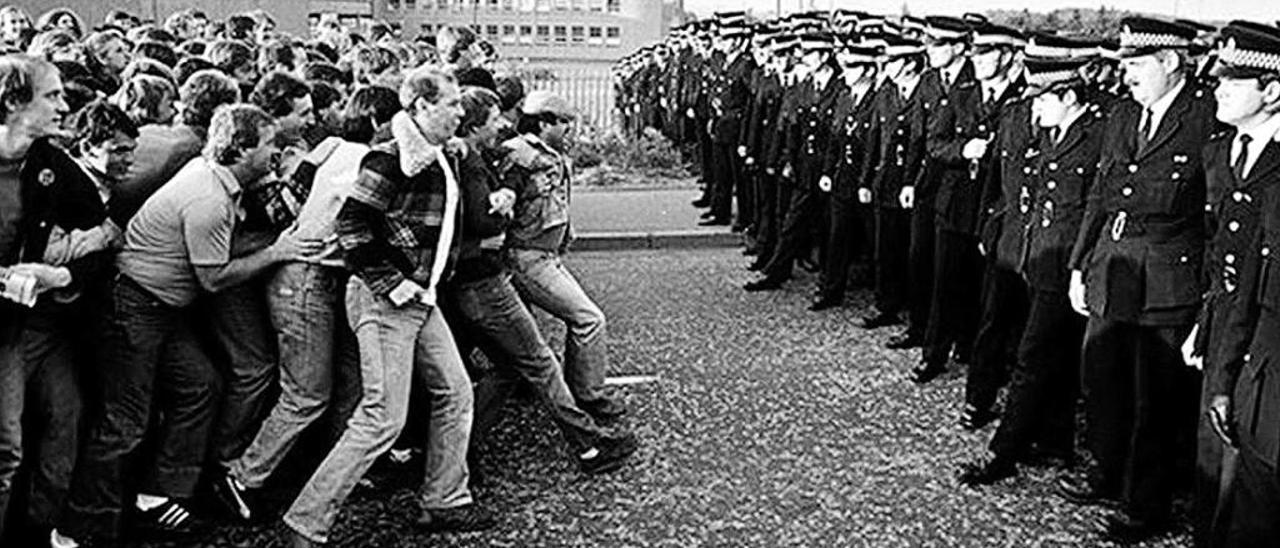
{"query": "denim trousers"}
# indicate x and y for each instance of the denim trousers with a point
(489, 310)
(395, 344)
(544, 281)
(316, 345)
(240, 326)
(153, 359)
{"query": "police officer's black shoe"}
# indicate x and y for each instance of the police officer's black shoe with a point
(758, 264)
(1084, 491)
(987, 472)
(926, 372)
(766, 283)
(702, 202)
(974, 418)
(825, 303)
(903, 341)
(878, 320)
(714, 221)
(1123, 528)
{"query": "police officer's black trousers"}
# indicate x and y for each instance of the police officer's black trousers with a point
(920, 267)
(706, 155)
(892, 259)
(723, 180)
(843, 235)
(795, 233)
(1004, 314)
(1255, 503)
(1133, 382)
(957, 288)
(1041, 402)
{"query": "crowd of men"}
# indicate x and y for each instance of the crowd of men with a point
(1086, 224)
(220, 242)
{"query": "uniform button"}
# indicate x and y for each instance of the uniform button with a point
(1133, 168)
(1175, 176)
(1127, 191)
(1237, 196)
(1266, 251)
(1230, 259)
(1233, 226)
(1053, 166)
(982, 128)
(1052, 185)
(1026, 170)
(1045, 223)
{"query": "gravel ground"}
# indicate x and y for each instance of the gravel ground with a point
(769, 426)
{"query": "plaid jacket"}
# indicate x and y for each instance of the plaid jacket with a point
(390, 223)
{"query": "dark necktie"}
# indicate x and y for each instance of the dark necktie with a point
(1242, 158)
(1144, 132)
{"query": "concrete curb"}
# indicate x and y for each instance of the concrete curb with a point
(672, 239)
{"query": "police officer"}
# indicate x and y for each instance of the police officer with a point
(1136, 274)
(960, 133)
(1242, 168)
(732, 65)
(1045, 211)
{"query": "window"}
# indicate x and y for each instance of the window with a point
(613, 6)
(427, 29)
(442, 4)
(393, 4)
(562, 34)
(578, 34)
(596, 35)
(409, 4)
(544, 34)
(613, 36)
(491, 30)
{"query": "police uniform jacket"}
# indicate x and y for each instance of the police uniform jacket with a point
(847, 149)
(778, 149)
(1252, 378)
(934, 94)
(1054, 207)
(814, 129)
(1234, 220)
(1141, 243)
(961, 117)
(1007, 187)
(760, 128)
(897, 140)
(731, 97)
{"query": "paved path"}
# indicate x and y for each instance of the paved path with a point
(769, 426)
(636, 211)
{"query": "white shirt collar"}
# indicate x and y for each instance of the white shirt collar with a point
(1069, 121)
(1258, 135)
(951, 73)
(1161, 106)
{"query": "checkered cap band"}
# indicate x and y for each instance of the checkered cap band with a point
(1046, 79)
(1130, 39)
(997, 40)
(1233, 55)
(899, 51)
(1037, 50)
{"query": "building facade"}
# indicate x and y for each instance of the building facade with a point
(578, 31)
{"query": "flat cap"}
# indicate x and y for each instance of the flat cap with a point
(546, 102)
(1248, 52)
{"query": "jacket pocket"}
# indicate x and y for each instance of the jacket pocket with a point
(1172, 276)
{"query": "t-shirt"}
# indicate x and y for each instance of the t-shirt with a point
(161, 152)
(10, 212)
(187, 223)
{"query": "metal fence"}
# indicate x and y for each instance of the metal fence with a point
(589, 89)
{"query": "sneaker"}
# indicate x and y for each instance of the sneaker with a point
(170, 520)
(456, 520)
(608, 455)
(57, 540)
(233, 496)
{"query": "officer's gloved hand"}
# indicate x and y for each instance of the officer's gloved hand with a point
(786, 171)
(1189, 355)
(1220, 418)
(1076, 293)
(975, 149)
(688, 113)
(751, 161)
(742, 151)
(864, 195)
(907, 198)
(824, 184)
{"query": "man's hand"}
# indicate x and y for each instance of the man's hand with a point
(864, 195)
(742, 151)
(750, 161)
(907, 198)
(1220, 418)
(1189, 355)
(408, 291)
(502, 202)
(688, 113)
(1076, 293)
(824, 184)
(786, 171)
(289, 246)
(982, 249)
(975, 149)
(47, 276)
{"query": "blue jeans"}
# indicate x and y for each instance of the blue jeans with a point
(395, 343)
(489, 310)
(153, 360)
(316, 344)
(544, 281)
(238, 320)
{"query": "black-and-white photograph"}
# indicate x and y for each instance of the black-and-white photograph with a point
(639, 273)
